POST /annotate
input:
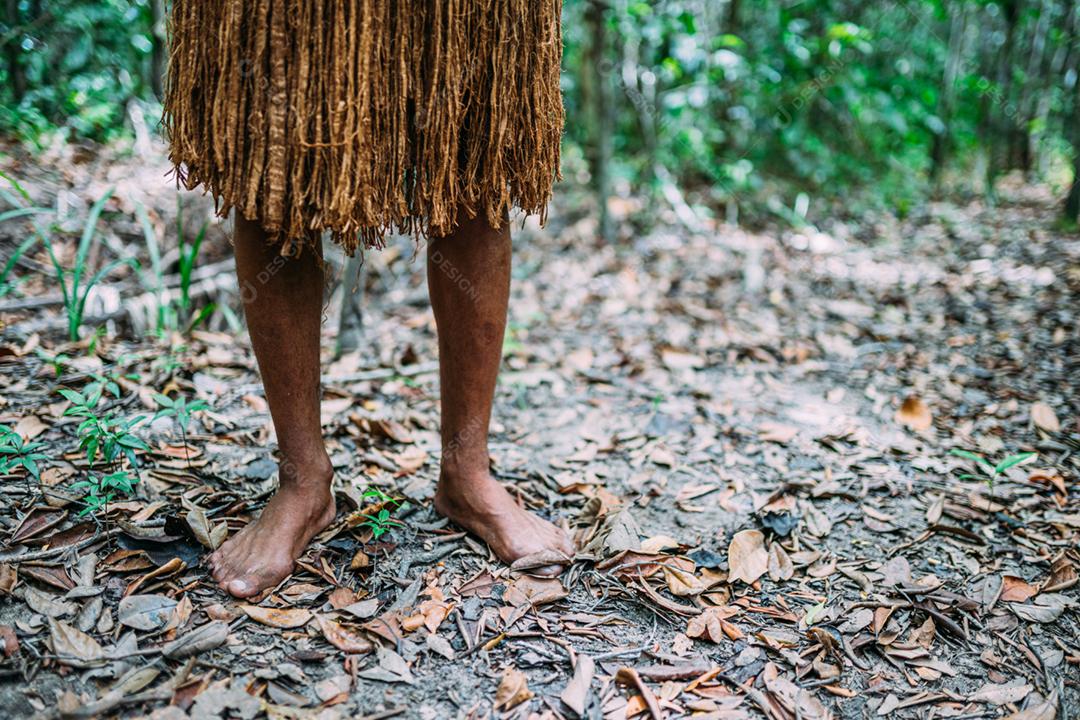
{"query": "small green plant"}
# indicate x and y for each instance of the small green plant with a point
(16, 452)
(22, 208)
(7, 285)
(106, 436)
(381, 522)
(102, 383)
(169, 312)
(101, 489)
(75, 286)
(57, 361)
(180, 410)
(189, 255)
(164, 314)
(989, 472)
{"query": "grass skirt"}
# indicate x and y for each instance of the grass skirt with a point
(365, 117)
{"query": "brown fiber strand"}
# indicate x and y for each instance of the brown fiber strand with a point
(366, 117)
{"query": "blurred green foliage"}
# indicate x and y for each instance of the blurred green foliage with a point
(73, 65)
(731, 100)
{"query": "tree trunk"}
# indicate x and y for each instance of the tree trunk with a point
(939, 150)
(1028, 133)
(159, 55)
(600, 69)
(1072, 202)
(16, 74)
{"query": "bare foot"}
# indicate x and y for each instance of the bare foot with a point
(262, 554)
(484, 507)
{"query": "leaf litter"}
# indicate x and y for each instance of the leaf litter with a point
(846, 498)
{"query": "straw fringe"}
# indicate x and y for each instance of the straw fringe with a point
(365, 117)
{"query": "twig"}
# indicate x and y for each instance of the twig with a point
(52, 552)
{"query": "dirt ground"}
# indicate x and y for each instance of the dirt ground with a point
(752, 436)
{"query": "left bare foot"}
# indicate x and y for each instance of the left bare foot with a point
(262, 554)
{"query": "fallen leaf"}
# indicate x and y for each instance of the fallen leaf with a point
(277, 617)
(915, 414)
(1044, 417)
(780, 567)
(440, 645)
(576, 692)
(209, 534)
(529, 590)
(1046, 710)
(682, 583)
(994, 694)
(72, 646)
(817, 522)
(777, 432)
(207, 637)
(747, 558)
(30, 426)
(712, 625)
(390, 667)
(1045, 608)
(145, 612)
(343, 638)
(8, 578)
(1014, 589)
(513, 689)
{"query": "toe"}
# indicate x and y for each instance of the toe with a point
(243, 587)
(548, 571)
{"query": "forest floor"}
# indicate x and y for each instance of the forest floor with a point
(751, 436)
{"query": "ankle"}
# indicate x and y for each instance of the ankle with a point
(455, 475)
(311, 474)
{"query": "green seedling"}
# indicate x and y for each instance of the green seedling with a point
(180, 410)
(101, 489)
(989, 472)
(164, 315)
(106, 436)
(75, 286)
(20, 210)
(7, 285)
(101, 383)
(58, 361)
(380, 523)
(15, 452)
(189, 254)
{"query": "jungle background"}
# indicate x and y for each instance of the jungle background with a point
(794, 359)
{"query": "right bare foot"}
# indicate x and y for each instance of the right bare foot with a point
(484, 507)
(262, 554)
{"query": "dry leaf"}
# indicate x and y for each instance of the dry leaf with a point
(343, 638)
(1014, 589)
(915, 414)
(780, 567)
(513, 689)
(277, 617)
(747, 558)
(712, 625)
(529, 590)
(72, 646)
(576, 692)
(777, 432)
(817, 522)
(993, 694)
(1044, 417)
(209, 534)
(207, 637)
(145, 612)
(682, 583)
(1046, 710)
